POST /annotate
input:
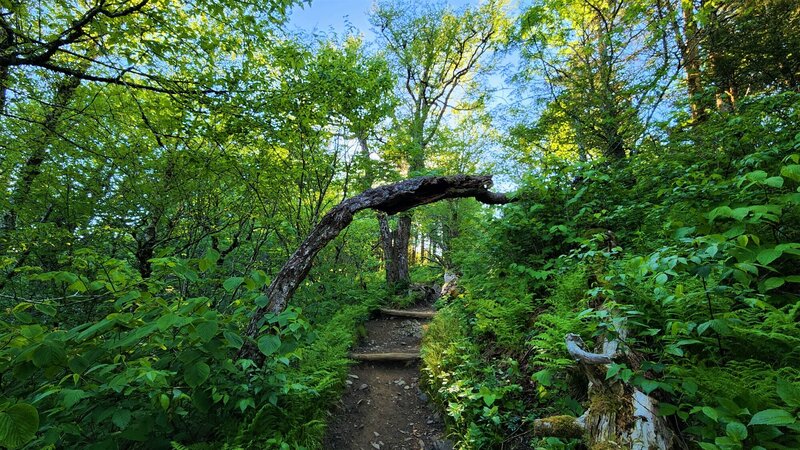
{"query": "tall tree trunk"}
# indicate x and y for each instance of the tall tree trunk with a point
(387, 243)
(146, 248)
(723, 68)
(402, 235)
(395, 250)
(32, 167)
(413, 249)
(394, 242)
(389, 199)
(422, 248)
(690, 52)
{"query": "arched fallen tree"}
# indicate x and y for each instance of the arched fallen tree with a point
(389, 199)
(627, 419)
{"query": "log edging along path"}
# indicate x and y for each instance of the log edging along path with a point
(395, 356)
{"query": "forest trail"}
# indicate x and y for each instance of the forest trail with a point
(383, 406)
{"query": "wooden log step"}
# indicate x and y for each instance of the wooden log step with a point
(404, 313)
(391, 356)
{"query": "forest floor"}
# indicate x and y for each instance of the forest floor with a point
(383, 406)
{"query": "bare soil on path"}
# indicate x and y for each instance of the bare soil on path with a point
(383, 406)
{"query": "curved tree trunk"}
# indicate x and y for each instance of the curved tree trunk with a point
(389, 199)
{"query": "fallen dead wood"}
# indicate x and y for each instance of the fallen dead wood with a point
(390, 356)
(450, 286)
(406, 313)
(619, 415)
(390, 199)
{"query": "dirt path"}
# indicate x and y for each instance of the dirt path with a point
(383, 407)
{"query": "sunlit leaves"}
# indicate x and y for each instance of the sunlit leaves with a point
(772, 417)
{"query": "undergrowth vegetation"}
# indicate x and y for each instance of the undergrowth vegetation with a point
(175, 271)
(157, 363)
(695, 242)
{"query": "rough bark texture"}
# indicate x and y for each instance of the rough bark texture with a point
(389, 199)
(450, 286)
(401, 238)
(387, 244)
(618, 414)
(395, 250)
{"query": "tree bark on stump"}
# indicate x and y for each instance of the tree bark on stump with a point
(619, 415)
(389, 199)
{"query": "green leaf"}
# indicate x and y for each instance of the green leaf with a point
(740, 213)
(666, 409)
(166, 321)
(18, 425)
(260, 277)
(736, 431)
(543, 377)
(73, 396)
(99, 327)
(232, 283)
(710, 412)
(132, 295)
(262, 301)
(690, 387)
(268, 344)
(708, 446)
(196, 374)
(234, 340)
(613, 369)
(46, 309)
(789, 392)
(135, 336)
(78, 364)
(727, 443)
(766, 256)
(207, 330)
(649, 386)
(163, 399)
(773, 282)
(756, 175)
(49, 353)
(244, 403)
(722, 211)
(703, 327)
(121, 418)
(772, 417)
(791, 171)
(208, 260)
(776, 182)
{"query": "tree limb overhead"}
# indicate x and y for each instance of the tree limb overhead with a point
(391, 199)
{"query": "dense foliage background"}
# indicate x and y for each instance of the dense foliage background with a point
(161, 159)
